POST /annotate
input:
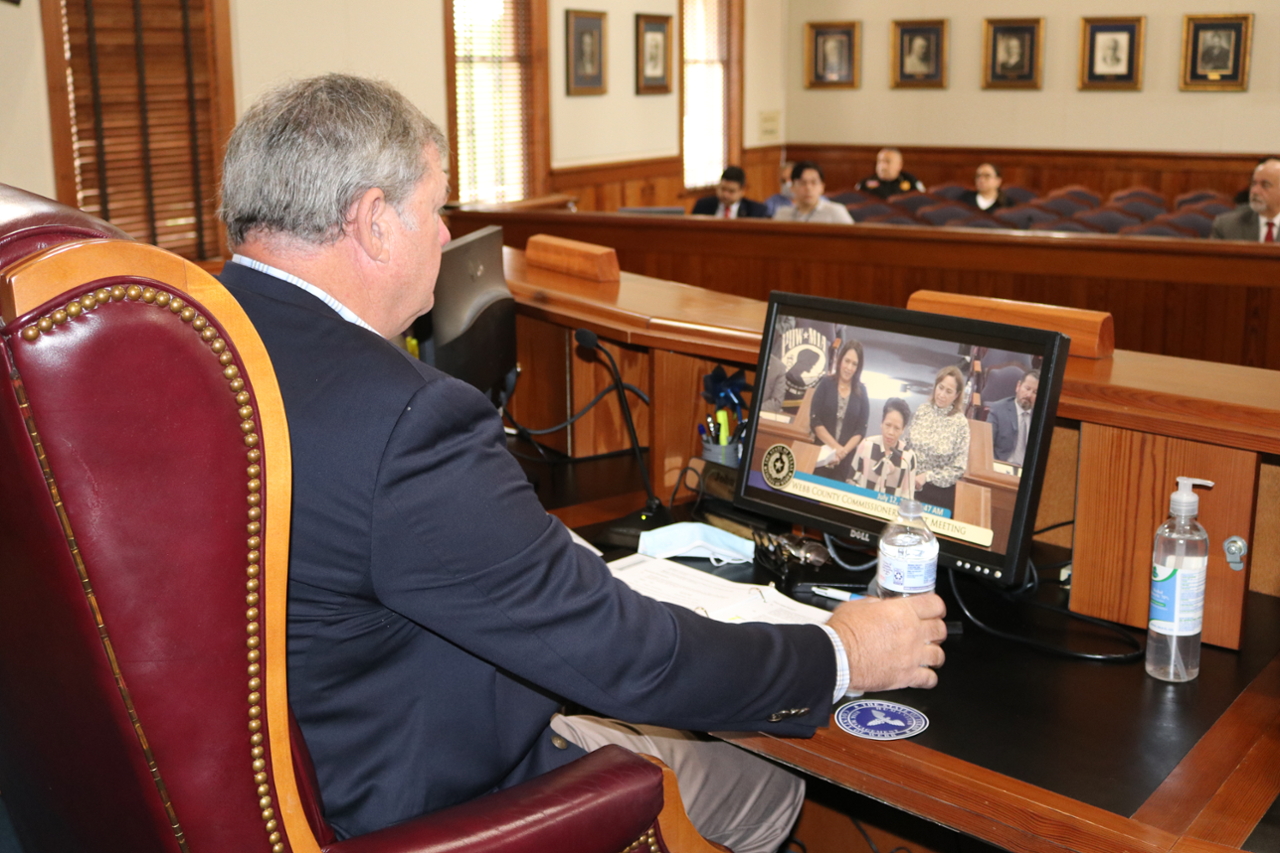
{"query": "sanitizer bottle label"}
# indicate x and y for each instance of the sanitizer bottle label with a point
(1177, 597)
(909, 568)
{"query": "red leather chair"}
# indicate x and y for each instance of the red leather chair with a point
(29, 223)
(144, 534)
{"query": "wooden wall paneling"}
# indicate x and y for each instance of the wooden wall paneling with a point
(677, 382)
(605, 430)
(761, 165)
(1169, 173)
(1264, 549)
(659, 181)
(1187, 298)
(542, 393)
(1058, 495)
(1124, 486)
(636, 183)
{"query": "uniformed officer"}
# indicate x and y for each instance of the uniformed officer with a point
(889, 179)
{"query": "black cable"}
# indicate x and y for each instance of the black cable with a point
(1129, 639)
(1054, 526)
(701, 490)
(596, 399)
(831, 542)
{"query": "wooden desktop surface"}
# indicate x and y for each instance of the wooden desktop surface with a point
(1037, 754)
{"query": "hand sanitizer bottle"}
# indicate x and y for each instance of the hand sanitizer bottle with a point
(1179, 565)
(908, 554)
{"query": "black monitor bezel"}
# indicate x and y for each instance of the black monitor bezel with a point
(1009, 569)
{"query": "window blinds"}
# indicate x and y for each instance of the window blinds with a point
(493, 100)
(138, 85)
(706, 51)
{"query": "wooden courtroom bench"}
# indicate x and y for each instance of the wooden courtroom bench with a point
(1202, 299)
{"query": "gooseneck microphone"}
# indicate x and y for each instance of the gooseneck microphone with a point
(653, 514)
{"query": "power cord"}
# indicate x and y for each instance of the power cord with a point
(701, 490)
(1129, 639)
(831, 542)
(594, 400)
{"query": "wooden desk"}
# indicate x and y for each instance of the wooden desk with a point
(1144, 419)
(1038, 755)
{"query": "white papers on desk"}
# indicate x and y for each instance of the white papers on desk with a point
(715, 597)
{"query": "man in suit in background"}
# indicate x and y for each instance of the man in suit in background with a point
(439, 618)
(1010, 419)
(730, 200)
(1259, 222)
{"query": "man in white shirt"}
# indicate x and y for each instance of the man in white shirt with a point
(808, 205)
(1259, 222)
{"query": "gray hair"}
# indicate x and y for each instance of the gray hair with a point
(308, 150)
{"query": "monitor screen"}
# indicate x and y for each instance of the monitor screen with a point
(858, 407)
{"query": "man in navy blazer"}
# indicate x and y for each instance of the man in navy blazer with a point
(730, 201)
(438, 617)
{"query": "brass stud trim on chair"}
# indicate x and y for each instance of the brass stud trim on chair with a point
(242, 399)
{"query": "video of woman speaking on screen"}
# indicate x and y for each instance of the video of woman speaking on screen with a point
(859, 419)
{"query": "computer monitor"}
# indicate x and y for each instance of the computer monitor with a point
(470, 332)
(911, 385)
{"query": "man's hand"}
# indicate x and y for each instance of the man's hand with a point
(892, 642)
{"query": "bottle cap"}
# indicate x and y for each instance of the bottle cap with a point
(910, 509)
(1184, 501)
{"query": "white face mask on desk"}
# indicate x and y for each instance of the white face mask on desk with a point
(694, 539)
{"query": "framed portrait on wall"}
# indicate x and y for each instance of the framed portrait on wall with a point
(1215, 52)
(1111, 53)
(585, 55)
(919, 53)
(1013, 57)
(653, 54)
(832, 54)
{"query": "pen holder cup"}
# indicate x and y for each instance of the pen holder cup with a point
(722, 454)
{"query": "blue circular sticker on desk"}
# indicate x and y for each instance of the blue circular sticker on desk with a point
(876, 720)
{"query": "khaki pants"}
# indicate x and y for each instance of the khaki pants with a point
(732, 797)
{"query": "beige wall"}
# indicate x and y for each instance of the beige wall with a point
(619, 125)
(400, 41)
(403, 42)
(1159, 118)
(26, 151)
(764, 75)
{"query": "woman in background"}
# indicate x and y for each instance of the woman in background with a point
(838, 415)
(939, 437)
(881, 463)
(987, 194)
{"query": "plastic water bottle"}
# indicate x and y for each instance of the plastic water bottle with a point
(1179, 565)
(908, 562)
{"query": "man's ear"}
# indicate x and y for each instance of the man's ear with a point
(367, 225)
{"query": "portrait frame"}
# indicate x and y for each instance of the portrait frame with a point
(908, 71)
(586, 52)
(1002, 67)
(653, 73)
(832, 54)
(1111, 53)
(1215, 53)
